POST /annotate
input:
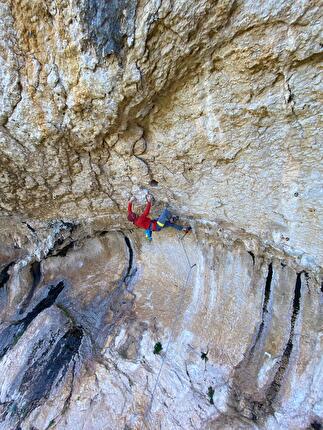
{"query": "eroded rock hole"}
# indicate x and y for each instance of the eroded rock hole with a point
(153, 183)
(63, 252)
(54, 252)
(103, 233)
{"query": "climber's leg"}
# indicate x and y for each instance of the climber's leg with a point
(175, 226)
(163, 218)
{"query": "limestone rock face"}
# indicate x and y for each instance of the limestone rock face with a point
(108, 331)
(214, 107)
(214, 103)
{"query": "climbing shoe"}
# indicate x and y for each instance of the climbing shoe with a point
(187, 229)
(174, 218)
(148, 234)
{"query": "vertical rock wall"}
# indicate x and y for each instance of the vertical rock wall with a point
(212, 105)
(206, 331)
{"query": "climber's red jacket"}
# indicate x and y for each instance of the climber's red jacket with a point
(143, 221)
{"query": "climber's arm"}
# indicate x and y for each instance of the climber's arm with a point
(147, 208)
(130, 205)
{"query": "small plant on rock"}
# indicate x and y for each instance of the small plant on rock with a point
(210, 393)
(158, 348)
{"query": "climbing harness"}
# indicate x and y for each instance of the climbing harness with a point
(177, 313)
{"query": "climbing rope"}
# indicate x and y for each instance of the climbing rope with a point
(177, 313)
(182, 243)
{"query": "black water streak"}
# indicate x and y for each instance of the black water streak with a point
(252, 256)
(36, 274)
(116, 302)
(38, 379)
(29, 227)
(4, 275)
(130, 264)
(10, 335)
(265, 306)
(275, 386)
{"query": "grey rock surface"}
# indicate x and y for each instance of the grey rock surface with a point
(238, 334)
(213, 105)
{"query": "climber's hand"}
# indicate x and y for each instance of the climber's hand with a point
(132, 199)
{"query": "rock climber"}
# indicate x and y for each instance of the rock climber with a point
(149, 225)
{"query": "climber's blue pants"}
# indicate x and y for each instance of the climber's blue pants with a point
(175, 226)
(163, 221)
(163, 218)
